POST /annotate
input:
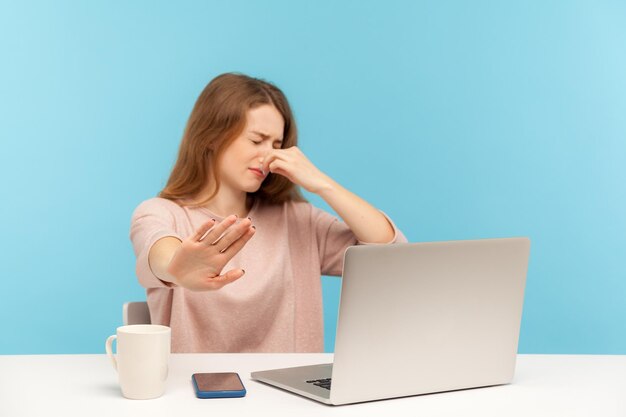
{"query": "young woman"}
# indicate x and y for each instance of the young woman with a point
(230, 253)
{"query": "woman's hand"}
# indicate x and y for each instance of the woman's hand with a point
(197, 264)
(294, 165)
(366, 222)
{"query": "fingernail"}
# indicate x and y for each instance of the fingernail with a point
(244, 271)
(249, 219)
(254, 227)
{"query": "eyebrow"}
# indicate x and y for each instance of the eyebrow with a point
(264, 136)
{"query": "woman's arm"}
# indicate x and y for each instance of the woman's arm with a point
(160, 256)
(366, 222)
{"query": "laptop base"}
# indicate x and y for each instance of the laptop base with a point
(294, 380)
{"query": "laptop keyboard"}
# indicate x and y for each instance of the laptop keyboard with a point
(324, 383)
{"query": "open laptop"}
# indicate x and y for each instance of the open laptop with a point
(419, 318)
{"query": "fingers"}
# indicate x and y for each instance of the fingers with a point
(222, 235)
(213, 236)
(274, 155)
(234, 234)
(225, 279)
(279, 167)
(279, 161)
(239, 243)
(202, 230)
(267, 159)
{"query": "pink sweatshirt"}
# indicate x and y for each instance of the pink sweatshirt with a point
(276, 306)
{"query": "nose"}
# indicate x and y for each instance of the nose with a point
(262, 153)
(263, 149)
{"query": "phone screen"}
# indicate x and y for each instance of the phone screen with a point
(228, 381)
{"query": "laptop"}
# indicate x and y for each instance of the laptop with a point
(419, 318)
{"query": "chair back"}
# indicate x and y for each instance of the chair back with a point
(136, 312)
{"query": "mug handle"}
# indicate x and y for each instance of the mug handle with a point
(109, 349)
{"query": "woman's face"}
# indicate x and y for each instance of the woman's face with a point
(240, 167)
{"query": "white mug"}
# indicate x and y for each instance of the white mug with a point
(143, 352)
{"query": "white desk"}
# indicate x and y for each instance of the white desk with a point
(86, 385)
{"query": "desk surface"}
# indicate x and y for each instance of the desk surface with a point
(86, 385)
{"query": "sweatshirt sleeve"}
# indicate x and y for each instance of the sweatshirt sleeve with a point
(334, 237)
(151, 221)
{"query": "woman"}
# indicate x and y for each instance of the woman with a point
(230, 252)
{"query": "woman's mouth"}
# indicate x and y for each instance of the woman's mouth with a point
(257, 172)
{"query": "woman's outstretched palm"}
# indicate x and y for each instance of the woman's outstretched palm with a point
(197, 264)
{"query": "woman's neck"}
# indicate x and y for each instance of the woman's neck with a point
(225, 209)
(225, 203)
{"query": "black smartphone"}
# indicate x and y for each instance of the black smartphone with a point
(218, 385)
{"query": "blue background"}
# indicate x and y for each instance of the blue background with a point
(459, 119)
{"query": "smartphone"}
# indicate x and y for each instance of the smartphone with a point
(218, 385)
